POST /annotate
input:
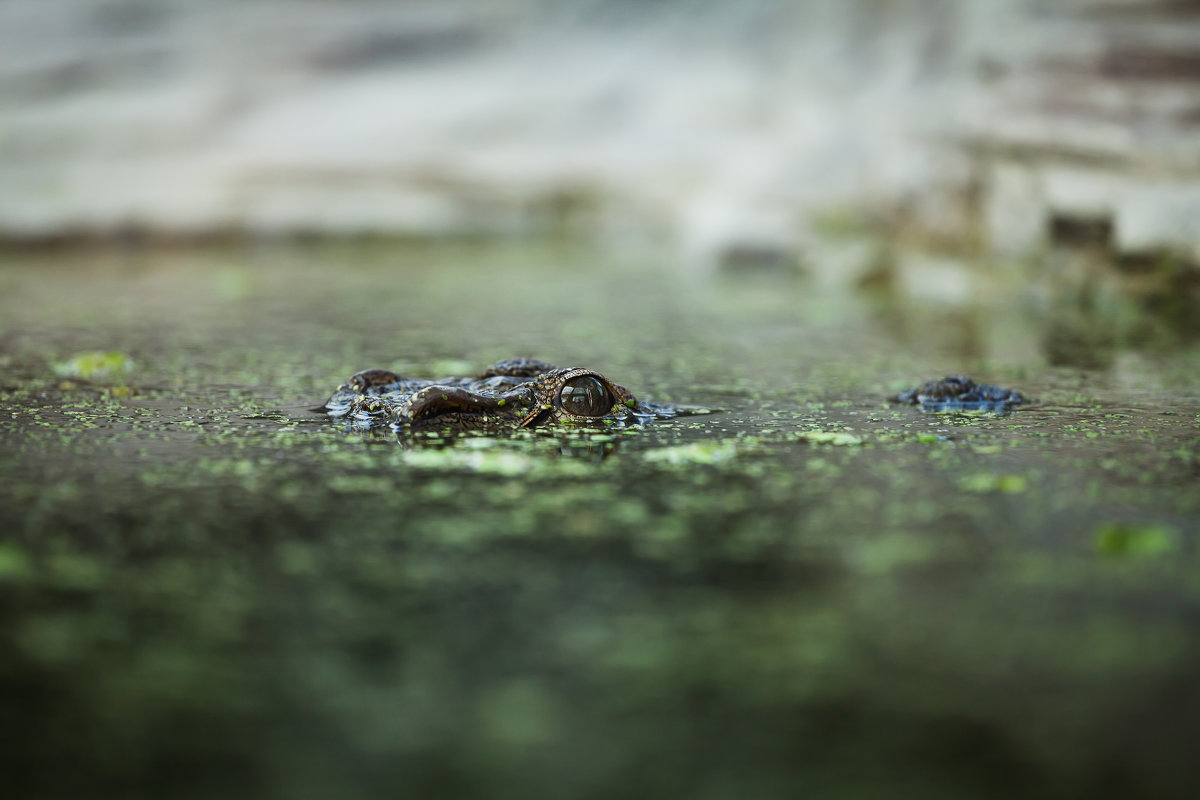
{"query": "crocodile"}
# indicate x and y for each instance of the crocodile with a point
(960, 393)
(514, 393)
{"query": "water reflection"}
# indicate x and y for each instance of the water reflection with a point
(1099, 307)
(591, 444)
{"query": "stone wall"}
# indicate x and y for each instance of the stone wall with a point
(1090, 130)
(720, 125)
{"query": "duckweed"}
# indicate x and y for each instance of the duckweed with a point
(1134, 540)
(95, 365)
(836, 438)
(987, 482)
(710, 452)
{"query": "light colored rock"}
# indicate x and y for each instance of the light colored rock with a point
(1082, 193)
(935, 280)
(1014, 210)
(1160, 216)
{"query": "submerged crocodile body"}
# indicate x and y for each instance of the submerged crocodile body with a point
(515, 393)
(960, 393)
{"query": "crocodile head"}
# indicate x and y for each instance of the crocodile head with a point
(516, 393)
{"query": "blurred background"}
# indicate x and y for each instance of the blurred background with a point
(726, 129)
(212, 213)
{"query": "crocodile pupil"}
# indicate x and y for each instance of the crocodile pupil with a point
(585, 396)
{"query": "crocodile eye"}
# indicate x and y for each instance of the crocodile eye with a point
(585, 396)
(369, 380)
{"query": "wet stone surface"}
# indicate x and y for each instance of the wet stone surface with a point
(207, 588)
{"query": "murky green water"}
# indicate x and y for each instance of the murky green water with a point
(207, 590)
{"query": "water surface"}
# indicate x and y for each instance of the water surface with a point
(208, 589)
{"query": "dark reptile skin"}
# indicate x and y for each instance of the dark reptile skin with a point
(513, 393)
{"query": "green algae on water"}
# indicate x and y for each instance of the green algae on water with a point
(835, 438)
(1134, 540)
(704, 452)
(989, 482)
(198, 569)
(94, 365)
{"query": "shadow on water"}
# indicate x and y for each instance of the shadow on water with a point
(206, 588)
